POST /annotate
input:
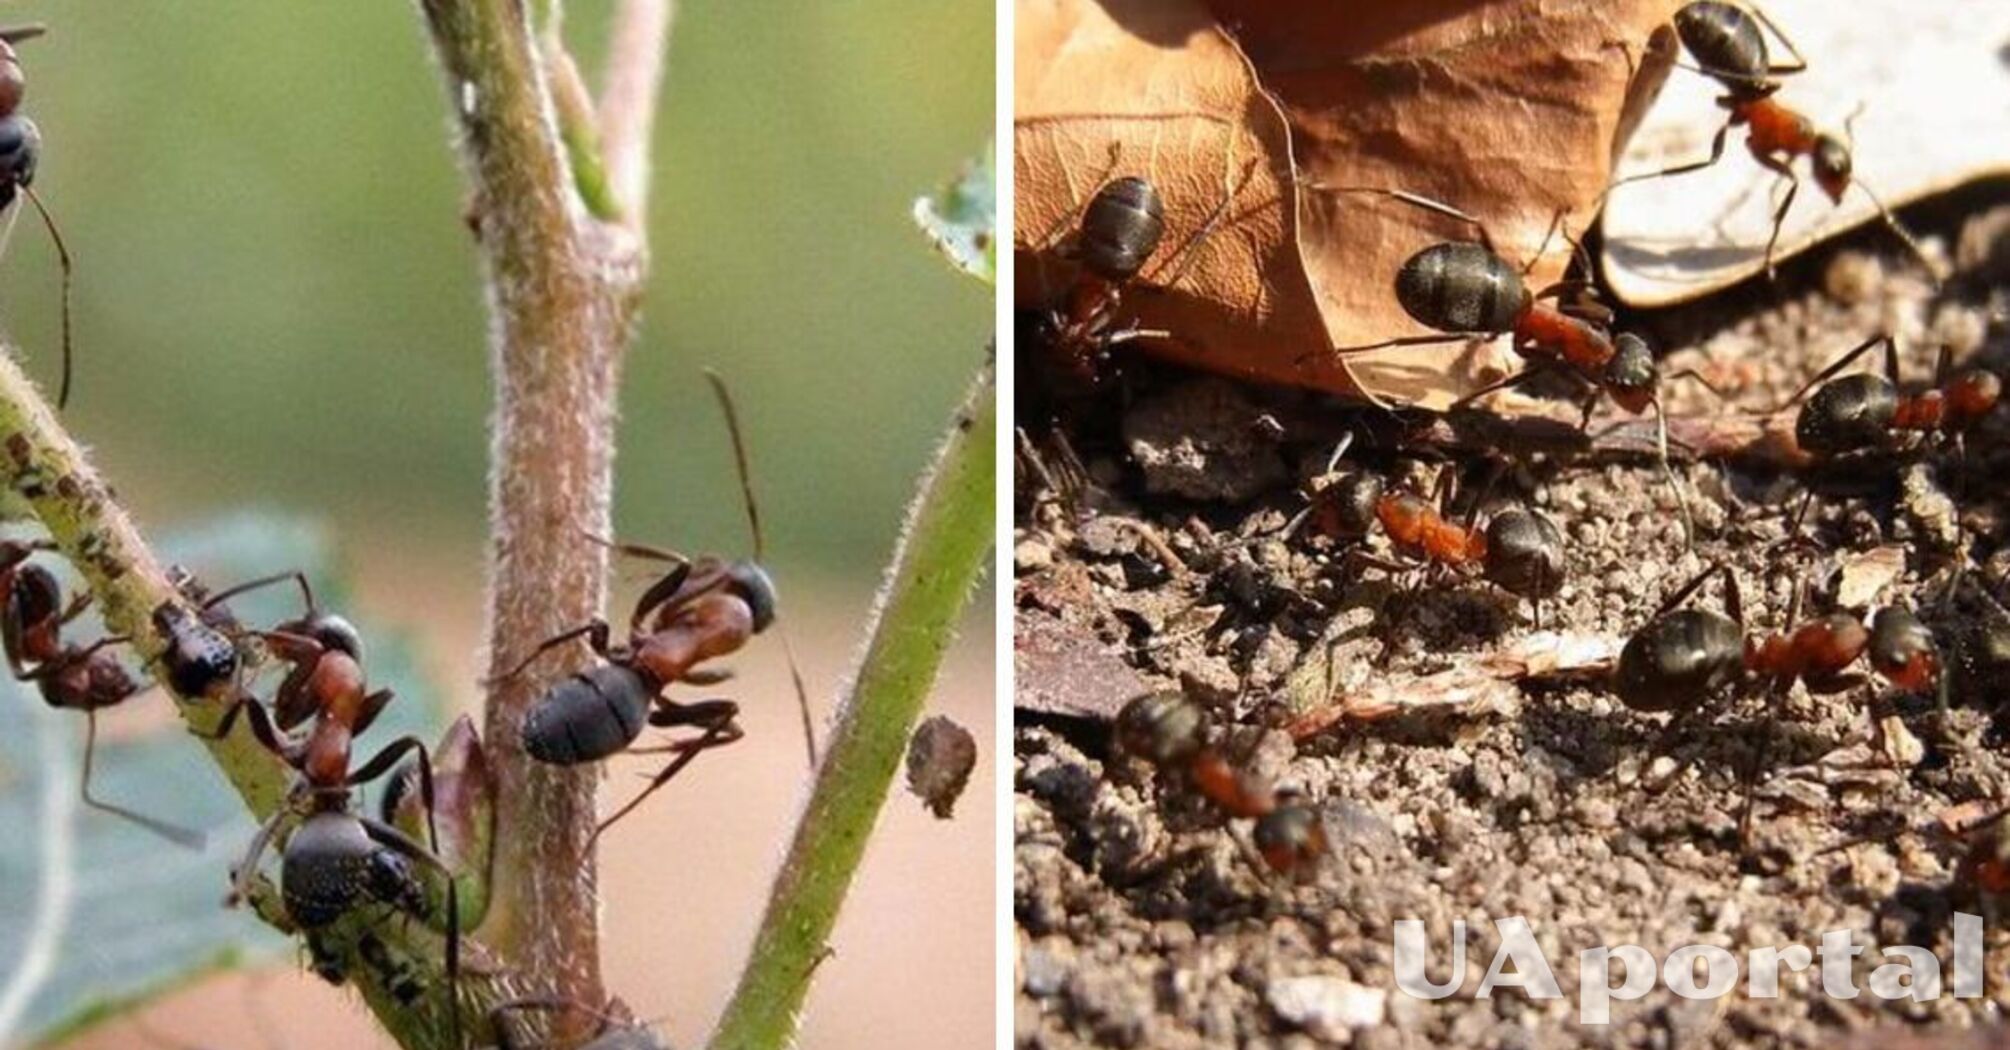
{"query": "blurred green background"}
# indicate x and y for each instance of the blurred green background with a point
(277, 301)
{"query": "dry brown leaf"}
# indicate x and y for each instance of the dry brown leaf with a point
(1935, 96)
(1476, 686)
(1507, 109)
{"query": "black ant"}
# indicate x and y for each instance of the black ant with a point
(1519, 550)
(87, 678)
(336, 859)
(1468, 291)
(1682, 658)
(697, 611)
(1865, 411)
(1727, 42)
(20, 149)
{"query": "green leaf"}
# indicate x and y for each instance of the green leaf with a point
(962, 218)
(108, 913)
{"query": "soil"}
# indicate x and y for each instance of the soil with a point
(1149, 559)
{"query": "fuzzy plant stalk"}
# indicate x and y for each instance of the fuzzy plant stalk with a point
(936, 565)
(557, 193)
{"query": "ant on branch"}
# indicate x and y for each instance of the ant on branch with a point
(1468, 291)
(1519, 550)
(697, 611)
(1682, 658)
(336, 859)
(1730, 48)
(87, 678)
(20, 149)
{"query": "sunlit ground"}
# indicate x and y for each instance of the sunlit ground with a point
(684, 877)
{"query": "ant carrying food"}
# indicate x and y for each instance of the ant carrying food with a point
(1681, 659)
(1519, 550)
(697, 611)
(20, 150)
(1729, 46)
(1466, 291)
(77, 678)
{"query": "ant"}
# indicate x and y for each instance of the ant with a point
(1169, 732)
(1467, 290)
(1866, 411)
(1519, 550)
(336, 858)
(20, 149)
(88, 678)
(1730, 48)
(1291, 839)
(697, 611)
(1682, 657)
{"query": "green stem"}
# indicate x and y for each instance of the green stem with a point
(936, 566)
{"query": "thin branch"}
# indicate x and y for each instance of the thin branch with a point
(937, 564)
(628, 101)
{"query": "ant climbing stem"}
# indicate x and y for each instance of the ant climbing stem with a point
(20, 150)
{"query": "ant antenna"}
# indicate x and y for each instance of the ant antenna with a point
(184, 837)
(62, 256)
(760, 549)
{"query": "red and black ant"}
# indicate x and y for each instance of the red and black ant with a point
(87, 678)
(1519, 550)
(1730, 48)
(336, 859)
(1865, 411)
(1683, 658)
(1469, 291)
(20, 149)
(697, 611)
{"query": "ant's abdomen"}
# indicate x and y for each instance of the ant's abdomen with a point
(1461, 287)
(1724, 41)
(588, 716)
(1678, 659)
(1850, 413)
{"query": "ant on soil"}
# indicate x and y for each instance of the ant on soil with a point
(1682, 659)
(1170, 733)
(1468, 291)
(336, 859)
(1519, 550)
(697, 611)
(87, 678)
(1729, 46)
(20, 149)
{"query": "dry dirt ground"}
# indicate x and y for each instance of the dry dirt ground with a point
(1142, 920)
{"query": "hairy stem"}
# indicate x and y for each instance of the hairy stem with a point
(936, 565)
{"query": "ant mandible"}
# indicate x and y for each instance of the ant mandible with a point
(1467, 291)
(1681, 658)
(20, 149)
(1730, 48)
(88, 678)
(697, 611)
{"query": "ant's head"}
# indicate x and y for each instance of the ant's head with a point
(1832, 166)
(1632, 376)
(1291, 839)
(755, 587)
(20, 147)
(1902, 650)
(1352, 501)
(332, 631)
(1973, 394)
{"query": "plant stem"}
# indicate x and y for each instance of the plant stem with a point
(935, 567)
(563, 289)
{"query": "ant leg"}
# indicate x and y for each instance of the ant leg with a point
(1542, 247)
(1668, 474)
(1830, 370)
(1799, 63)
(1898, 230)
(1717, 145)
(187, 838)
(76, 608)
(296, 576)
(1796, 535)
(594, 631)
(246, 868)
(373, 705)
(720, 731)
(665, 593)
(1184, 254)
(1408, 340)
(262, 729)
(1517, 379)
(390, 837)
(62, 258)
(1682, 595)
(638, 550)
(1426, 203)
(1786, 172)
